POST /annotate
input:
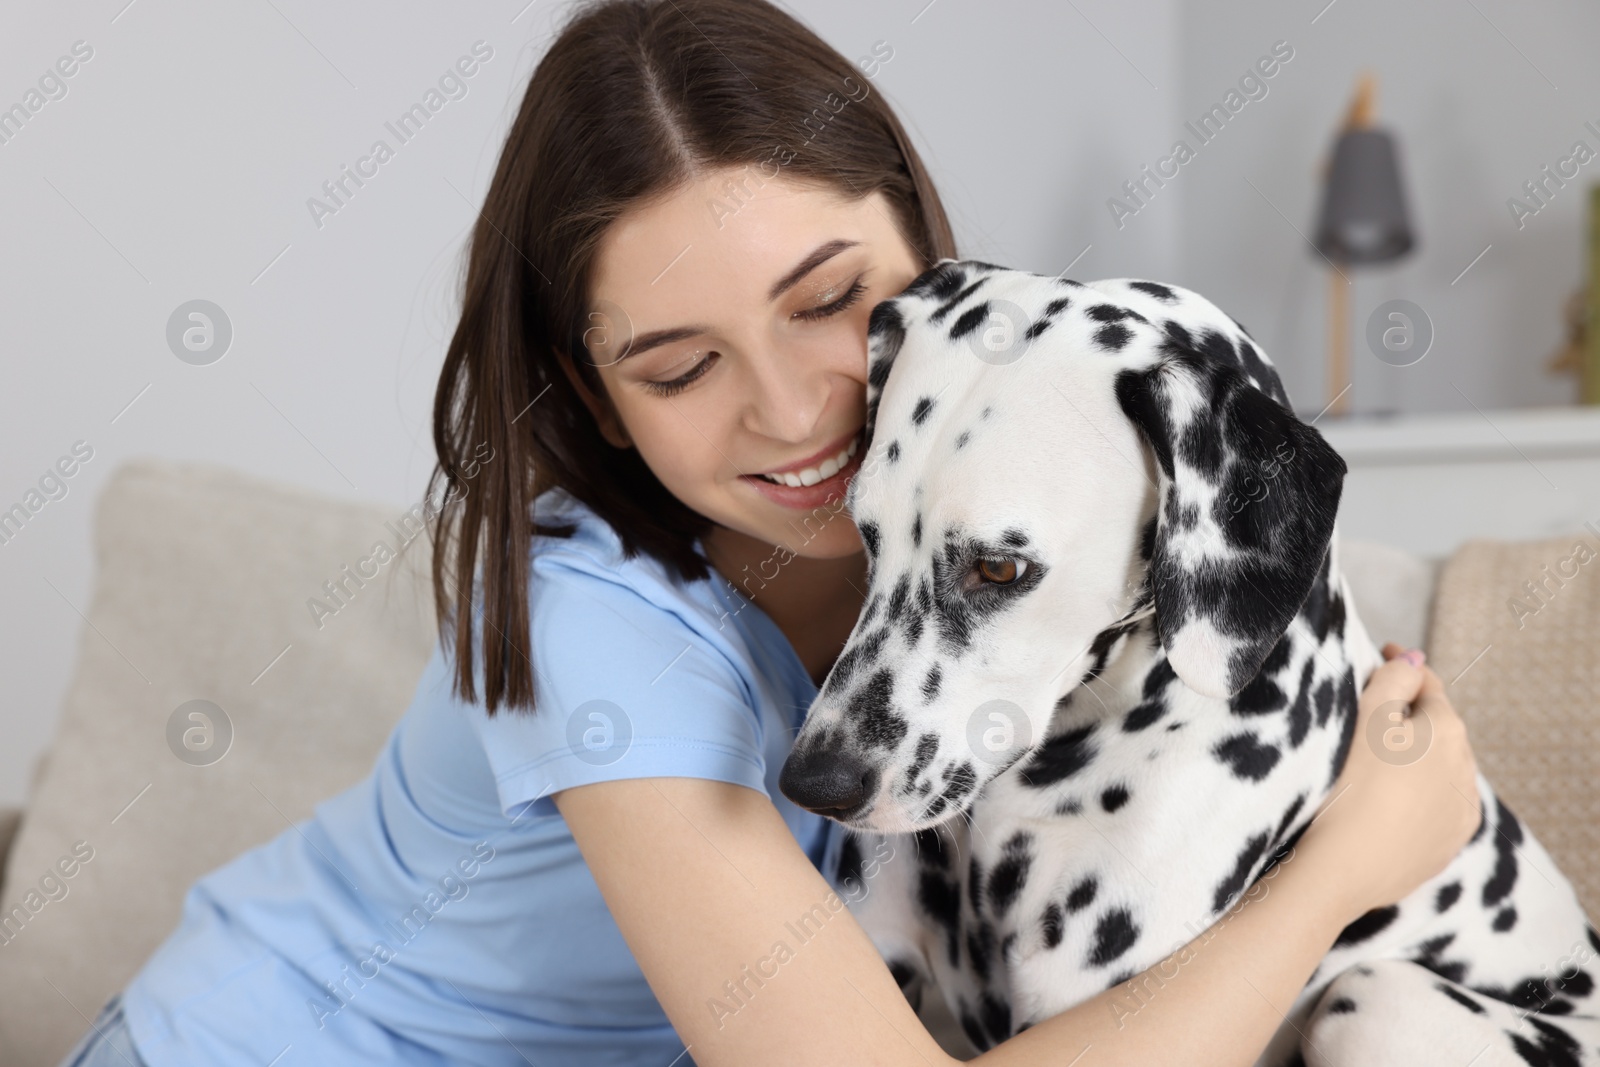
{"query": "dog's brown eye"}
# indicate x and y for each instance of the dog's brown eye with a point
(999, 571)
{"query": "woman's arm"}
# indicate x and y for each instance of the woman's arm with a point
(706, 881)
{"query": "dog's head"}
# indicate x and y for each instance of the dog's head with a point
(1046, 460)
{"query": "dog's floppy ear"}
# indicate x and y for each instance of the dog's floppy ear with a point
(1248, 499)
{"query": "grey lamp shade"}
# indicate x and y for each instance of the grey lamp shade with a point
(1364, 217)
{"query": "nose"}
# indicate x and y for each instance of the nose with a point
(830, 782)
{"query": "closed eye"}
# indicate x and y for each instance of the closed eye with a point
(698, 371)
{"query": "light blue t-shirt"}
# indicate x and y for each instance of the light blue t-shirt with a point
(439, 911)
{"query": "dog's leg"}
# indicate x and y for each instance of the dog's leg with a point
(1395, 1013)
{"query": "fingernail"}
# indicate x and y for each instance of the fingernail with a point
(1414, 656)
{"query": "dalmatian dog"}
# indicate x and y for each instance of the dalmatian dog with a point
(1107, 671)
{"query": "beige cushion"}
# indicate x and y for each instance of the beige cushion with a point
(1392, 589)
(1528, 686)
(202, 579)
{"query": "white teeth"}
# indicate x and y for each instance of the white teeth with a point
(813, 475)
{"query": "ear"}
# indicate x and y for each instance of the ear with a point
(605, 416)
(1248, 499)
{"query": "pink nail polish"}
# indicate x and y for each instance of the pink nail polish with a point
(1413, 656)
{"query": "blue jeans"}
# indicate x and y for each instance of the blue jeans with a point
(107, 1043)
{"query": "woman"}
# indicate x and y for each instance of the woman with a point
(573, 842)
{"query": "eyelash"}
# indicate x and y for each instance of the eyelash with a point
(677, 385)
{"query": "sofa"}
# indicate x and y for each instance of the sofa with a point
(207, 588)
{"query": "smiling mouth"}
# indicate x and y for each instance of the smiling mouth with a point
(821, 472)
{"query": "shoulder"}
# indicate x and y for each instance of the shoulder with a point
(586, 594)
(592, 552)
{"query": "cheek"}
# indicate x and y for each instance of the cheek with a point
(680, 442)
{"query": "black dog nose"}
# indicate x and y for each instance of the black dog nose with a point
(827, 781)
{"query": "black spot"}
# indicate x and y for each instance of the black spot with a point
(938, 314)
(1051, 924)
(1036, 328)
(1235, 881)
(1460, 998)
(970, 320)
(1447, 895)
(893, 451)
(1082, 894)
(930, 685)
(1505, 919)
(1506, 824)
(961, 438)
(927, 746)
(920, 413)
(1262, 695)
(1010, 874)
(1346, 703)
(1113, 313)
(1114, 797)
(1070, 806)
(980, 950)
(961, 779)
(872, 608)
(1300, 710)
(1113, 337)
(877, 725)
(1114, 934)
(1483, 822)
(869, 536)
(940, 899)
(1428, 955)
(938, 282)
(1367, 926)
(1144, 715)
(1288, 818)
(1579, 985)
(1247, 756)
(1499, 885)
(1324, 701)
(1060, 757)
(886, 332)
(899, 598)
(1160, 292)
(1556, 1047)
(1342, 1006)
(1014, 538)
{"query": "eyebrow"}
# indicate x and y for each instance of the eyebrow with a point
(818, 256)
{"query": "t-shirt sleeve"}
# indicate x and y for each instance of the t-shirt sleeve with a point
(624, 687)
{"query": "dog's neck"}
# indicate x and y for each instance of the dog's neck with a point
(1125, 666)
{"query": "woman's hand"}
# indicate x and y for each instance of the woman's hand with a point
(1395, 819)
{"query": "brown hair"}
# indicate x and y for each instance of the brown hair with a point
(633, 99)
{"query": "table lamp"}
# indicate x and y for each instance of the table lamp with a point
(1363, 220)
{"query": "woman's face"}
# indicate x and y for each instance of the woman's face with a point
(731, 336)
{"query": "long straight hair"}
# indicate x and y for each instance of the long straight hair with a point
(634, 99)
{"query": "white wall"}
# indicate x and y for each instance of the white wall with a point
(179, 162)
(178, 165)
(1463, 87)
